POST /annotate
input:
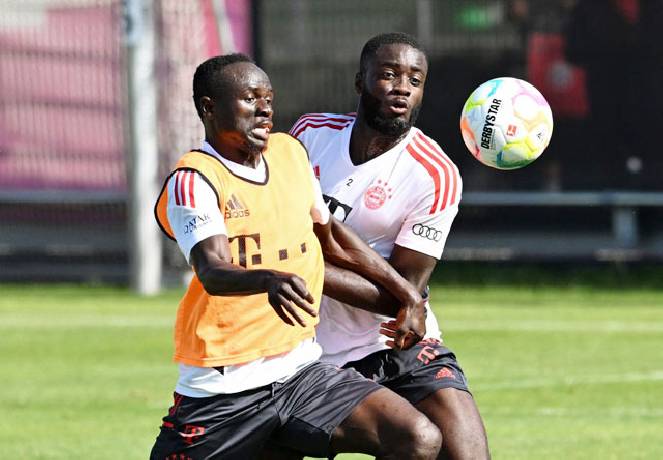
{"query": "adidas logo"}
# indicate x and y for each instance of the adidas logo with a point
(235, 208)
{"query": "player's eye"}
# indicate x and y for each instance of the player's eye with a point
(388, 75)
(249, 99)
(415, 81)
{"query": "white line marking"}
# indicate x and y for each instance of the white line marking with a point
(497, 325)
(64, 322)
(616, 412)
(624, 377)
(552, 325)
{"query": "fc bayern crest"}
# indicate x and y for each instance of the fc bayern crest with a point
(376, 195)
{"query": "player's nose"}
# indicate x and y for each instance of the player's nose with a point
(264, 109)
(402, 86)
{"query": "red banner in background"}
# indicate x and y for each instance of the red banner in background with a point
(61, 103)
(561, 83)
(63, 92)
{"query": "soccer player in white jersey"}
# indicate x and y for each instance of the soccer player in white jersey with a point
(400, 192)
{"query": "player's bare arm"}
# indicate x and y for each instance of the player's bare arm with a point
(351, 288)
(416, 267)
(355, 290)
(409, 326)
(341, 246)
(287, 293)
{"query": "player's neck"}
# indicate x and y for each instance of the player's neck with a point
(250, 159)
(367, 143)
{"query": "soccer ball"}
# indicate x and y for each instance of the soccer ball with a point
(506, 123)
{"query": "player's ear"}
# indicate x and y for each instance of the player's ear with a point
(207, 106)
(359, 82)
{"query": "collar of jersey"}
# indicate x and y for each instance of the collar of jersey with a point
(382, 157)
(258, 175)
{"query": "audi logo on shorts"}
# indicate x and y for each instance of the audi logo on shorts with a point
(427, 232)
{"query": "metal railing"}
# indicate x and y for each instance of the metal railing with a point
(625, 225)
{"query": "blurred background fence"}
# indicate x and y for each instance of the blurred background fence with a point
(595, 194)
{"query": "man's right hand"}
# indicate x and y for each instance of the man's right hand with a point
(288, 296)
(408, 328)
(211, 259)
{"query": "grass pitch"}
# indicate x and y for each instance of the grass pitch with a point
(561, 371)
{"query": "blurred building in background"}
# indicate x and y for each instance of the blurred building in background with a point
(595, 194)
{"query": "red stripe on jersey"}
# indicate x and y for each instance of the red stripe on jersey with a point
(447, 160)
(319, 117)
(185, 176)
(432, 171)
(192, 176)
(323, 118)
(431, 156)
(176, 188)
(185, 181)
(302, 122)
(321, 124)
(326, 114)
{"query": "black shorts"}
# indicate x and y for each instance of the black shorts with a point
(300, 413)
(415, 373)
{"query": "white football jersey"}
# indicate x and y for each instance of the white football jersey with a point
(407, 196)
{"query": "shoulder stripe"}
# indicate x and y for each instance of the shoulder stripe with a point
(320, 124)
(344, 116)
(185, 181)
(184, 188)
(439, 166)
(432, 171)
(166, 184)
(327, 114)
(318, 118)
(192, 201)
(176, 189)
(453, 170)
(339, 118)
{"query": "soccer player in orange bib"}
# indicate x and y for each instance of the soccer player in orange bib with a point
(249, 217)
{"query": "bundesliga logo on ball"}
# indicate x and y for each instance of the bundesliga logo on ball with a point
(506, 123)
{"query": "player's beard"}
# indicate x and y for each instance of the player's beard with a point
(382, 124)
(253, 149)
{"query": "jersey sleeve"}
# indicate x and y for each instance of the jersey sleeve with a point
(193, 210)
(299, 127)
(427, 232)
(299, 131)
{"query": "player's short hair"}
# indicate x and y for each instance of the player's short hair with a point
(373, 45)
(207, 77)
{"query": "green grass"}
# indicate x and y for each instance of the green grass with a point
(558, 371)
